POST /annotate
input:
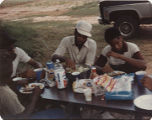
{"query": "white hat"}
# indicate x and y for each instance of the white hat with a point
(1, 1)
(84, 28)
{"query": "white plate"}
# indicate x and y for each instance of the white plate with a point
(144, 102)
(24, 92)
(75, 73)
(18, 78)
(32, 85)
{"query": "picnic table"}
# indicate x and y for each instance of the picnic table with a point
(68, 96)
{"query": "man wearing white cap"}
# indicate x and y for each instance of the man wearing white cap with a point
(82, 50)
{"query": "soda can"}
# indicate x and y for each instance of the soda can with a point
(60, 78)
(50, 65)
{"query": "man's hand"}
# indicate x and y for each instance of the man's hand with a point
(113, 54)
(37, 91)
(147, 82)
(29, 74)
(70, 63)
(22, 82)
(35, 97)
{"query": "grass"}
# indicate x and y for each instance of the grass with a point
(26, 38)
(98, 36)
(34, 38)
(88, 9)
(9, 3)
(40, 39)
(50, 2)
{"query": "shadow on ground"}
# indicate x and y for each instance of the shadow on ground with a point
(145, 32)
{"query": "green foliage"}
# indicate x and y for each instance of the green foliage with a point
(98, 36)
(51, 33)
(26, 38)
(39, 39)
(9, 3)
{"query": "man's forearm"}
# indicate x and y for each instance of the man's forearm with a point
(99, 70)
(35, 64)
(30, 108)
(138, 63)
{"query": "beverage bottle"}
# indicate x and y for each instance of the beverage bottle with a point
(93, 73)
(60, 76)
(49, 74)
(57, 64)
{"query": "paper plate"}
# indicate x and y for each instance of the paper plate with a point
(144, 102)
(22, 90)
(18, 79)
(33, 85)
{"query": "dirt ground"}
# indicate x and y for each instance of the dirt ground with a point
(31, 11)
(23, 12)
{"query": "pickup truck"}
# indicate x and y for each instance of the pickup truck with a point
(126, 15)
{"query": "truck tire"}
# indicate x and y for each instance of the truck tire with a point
(127, 26)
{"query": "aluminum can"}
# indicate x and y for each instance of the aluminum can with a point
(61, 79)
(50, 65)
(49, 74)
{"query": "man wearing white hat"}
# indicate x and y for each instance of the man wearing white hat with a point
(82, 50)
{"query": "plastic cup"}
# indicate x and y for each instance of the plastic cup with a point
(139, 75)
(88, 94)
(38, 72)
(50, 65)
(76, 75)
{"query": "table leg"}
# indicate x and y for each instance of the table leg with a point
(138, 116)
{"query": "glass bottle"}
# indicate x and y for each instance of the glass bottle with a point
(93, 73)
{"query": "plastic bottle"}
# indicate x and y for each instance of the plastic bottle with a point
(60, 76)
(58, 65)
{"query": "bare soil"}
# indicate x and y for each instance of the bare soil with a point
(29, 9)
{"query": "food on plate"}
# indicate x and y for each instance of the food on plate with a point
(115, 73)
(30, 87)
(79, 68)
(26, 89)
(33, 85)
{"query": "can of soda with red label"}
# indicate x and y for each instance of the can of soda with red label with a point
(60, 78)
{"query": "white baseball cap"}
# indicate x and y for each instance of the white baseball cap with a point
(1, 1)
(84, 28)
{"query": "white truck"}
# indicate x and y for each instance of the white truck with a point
(126, 15)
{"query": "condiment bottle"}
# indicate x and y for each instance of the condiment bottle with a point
(93, 73)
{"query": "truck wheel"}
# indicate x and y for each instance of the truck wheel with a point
(127, 26)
